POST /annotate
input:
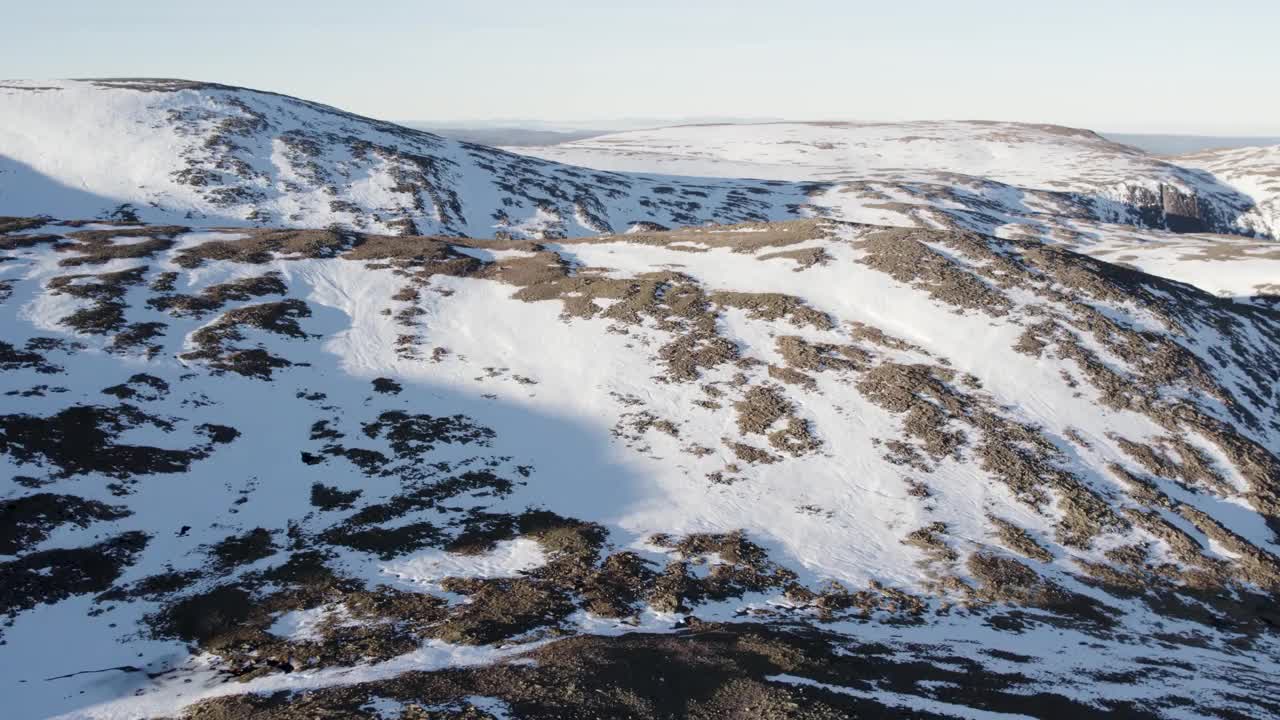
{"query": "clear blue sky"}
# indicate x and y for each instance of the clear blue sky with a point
(1142, 66)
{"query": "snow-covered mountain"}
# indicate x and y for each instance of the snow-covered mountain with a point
(823, 468)
(178, 151)
(1138, 187)
(185, 152)
(1008, 447)
(1254, 171)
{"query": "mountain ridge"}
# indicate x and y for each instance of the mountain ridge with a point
(189, 147)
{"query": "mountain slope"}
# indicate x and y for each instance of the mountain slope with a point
(1023, 156)
(763, 470)
(178, 151)
(1255, 171)
(169, 151)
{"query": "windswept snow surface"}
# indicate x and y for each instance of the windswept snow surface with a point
(1034, 156)
(1254, 171)
(1029, 159)
(320, 466)
(172, 151)
(177, 151)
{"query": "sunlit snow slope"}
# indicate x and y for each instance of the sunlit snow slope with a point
(188, 152)
(177, 151)
(1255, 171)
(823, 468)
(1044, 158)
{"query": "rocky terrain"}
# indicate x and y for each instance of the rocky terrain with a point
(978, 462)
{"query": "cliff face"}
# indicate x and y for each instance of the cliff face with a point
(1169, 208)
(1181, 210)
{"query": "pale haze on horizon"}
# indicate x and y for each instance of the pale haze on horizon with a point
(1142, 67)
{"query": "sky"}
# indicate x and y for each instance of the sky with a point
(1174, 66)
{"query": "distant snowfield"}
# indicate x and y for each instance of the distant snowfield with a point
(1047, 157)
(1035, 157)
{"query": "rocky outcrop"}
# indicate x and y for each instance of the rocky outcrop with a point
(1181, 210)
(1166, 207)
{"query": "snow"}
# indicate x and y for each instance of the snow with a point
(166, 698)
(1029, 160)
(1220, 265)
(87, 150)
(305, 624)
(906, 702)
(508, 559)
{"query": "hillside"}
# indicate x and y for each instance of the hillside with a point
(806, 469)
(1255, 171)
(172, 151)
(1028, 159)
(176, 151)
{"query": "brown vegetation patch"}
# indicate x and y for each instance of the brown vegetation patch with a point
(903, 254)
(792, 377)
(96, 247)
(260, 246)
(49, 576)
(922, 394)
(747, 238)
(237, 550)
(215, 296)
(634, 425)
(802, 354)
(13, 358)
(10, 224)
(326, 497)
(138, 335)
(106, 314)
(932, 540)
(736, 566)
(705, 671)
(762, 407)
(1005, 580)
(1019, 540)
(874, 335)
(140, 386)
(805, 258)
(82, 439)
(212, 340)
(422, 257)
(27, 521)
(751, 454)
(774, 306)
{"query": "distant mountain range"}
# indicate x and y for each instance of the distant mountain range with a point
(529, 132)
(1185, 144)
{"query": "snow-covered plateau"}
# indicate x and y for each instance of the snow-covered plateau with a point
(308, 415)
